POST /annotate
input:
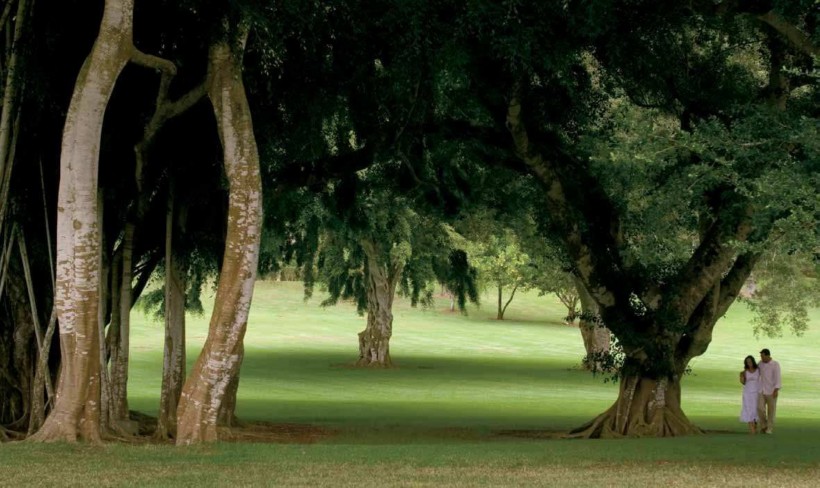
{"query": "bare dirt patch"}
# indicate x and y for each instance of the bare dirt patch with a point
(531, 434)
(264, 432)
(278, 433)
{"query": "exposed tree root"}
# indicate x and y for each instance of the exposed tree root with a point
(645, 408)
(7, 435)
(367, 363)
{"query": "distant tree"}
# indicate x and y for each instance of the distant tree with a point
(502, 265)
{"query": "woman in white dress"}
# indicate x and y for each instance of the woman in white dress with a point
(750, 379)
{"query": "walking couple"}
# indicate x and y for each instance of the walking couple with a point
(761, 384)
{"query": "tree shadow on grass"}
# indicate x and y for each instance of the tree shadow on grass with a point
(332, 366)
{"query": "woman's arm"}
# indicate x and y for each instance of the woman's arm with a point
(742, 377)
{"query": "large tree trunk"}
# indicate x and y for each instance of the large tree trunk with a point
(173, 364)
(645, 408)
(218, 364)
(76, 411)
(381, 280)
(595, 335)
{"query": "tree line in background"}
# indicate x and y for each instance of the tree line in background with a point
(643, 160)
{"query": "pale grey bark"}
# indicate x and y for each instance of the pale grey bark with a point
(76, 413)
(173, 363)
(218, 364)
(121, 341)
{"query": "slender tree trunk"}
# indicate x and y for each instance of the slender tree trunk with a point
(121, 343)
(42, 377)
(500, 314)
(645, 407)
(569, 298)
(22, 337)
(11, 91)
(502, 309)
(15, 357)
(381, 281)
(76, 413)
(111, 349)
(218, 364)
(595, 335)
(102, 315)
(173, 364)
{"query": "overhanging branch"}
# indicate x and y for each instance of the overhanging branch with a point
(795, 36)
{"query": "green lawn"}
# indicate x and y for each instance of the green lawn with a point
(433, 420)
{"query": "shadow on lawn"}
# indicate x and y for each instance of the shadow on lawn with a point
(330, 366)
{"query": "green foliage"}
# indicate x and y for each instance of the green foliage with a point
(501, 262)
(460, 278)
(201, 275)
(786, 287)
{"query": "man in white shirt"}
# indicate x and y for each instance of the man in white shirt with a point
(769, 387)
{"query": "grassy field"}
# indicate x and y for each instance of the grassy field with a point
(435, 418)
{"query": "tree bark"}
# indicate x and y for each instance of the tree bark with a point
(381, 280)
(645, 407)
(102, 314)
(173, 364)
(11, 91)
(569, 298)
(218, 364)
(76, 413)
(677, 316)
(227, 411)
(120, 343)
(595, 335)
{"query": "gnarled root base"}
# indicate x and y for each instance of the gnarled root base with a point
(366, 363)
(645, 408)
(374, 349)
(66, 432)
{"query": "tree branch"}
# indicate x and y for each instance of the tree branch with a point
(714, 305)
(321, 171)
(164, 110)
(732, 283)
(155, 62)
(588, 263)
(5, 14)
(795, 36)
(704, 269)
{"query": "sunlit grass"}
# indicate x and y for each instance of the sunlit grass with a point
(434, 419)
(457, 370)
